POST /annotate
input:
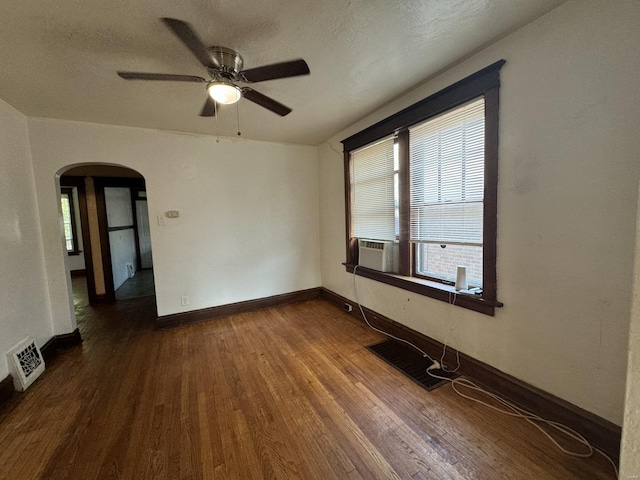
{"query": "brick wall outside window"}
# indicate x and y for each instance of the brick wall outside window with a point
(443, 262)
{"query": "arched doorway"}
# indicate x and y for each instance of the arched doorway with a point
(107, 236)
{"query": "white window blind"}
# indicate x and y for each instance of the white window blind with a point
(372, 190)
(447, 177)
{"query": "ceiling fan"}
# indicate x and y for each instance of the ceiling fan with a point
(225, 69)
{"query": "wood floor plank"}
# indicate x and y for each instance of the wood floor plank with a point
(307, 428)
(284, 393)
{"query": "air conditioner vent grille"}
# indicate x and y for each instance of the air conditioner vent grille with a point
(369, 244)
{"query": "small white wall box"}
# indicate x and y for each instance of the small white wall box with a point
(25, 364)
(375, 254)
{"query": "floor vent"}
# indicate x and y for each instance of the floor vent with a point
(410, 362)
(25, 363)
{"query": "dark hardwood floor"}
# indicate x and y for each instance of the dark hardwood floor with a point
(140, 285)
(283, 393)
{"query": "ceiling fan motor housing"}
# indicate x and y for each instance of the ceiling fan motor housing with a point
(228, 62)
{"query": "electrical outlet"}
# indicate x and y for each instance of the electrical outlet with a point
(184, 300)
(347, 307)
(161, 222)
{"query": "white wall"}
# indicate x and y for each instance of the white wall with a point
(123, 252)
(118, 204)
(630, 448)
(568, 181)
(24, 300)
(248, 225)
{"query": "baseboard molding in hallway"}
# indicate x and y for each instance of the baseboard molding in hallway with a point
(202, 315)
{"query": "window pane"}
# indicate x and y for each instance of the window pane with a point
(66, 210)
(66, 219)
(441, 261)
(447, 177)
(373, 211)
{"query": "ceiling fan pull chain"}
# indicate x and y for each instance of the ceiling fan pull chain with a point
(215, 109)
(238, 117)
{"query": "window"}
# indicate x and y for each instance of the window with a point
(374, 182)
(426, 179)
(68, 219)
(446, 168)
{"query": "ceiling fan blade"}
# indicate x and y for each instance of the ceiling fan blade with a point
(185, 33)
(292, 68)
(160, 76)
(209, 108)
(266, 102)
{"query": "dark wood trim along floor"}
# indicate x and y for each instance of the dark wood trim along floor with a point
(60, 342)
(600, 432)
(202, 315)
(6, 390)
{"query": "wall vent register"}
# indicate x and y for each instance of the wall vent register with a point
(25, 363)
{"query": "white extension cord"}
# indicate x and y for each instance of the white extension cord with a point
(514, 410)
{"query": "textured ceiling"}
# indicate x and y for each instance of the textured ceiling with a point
(59, 59)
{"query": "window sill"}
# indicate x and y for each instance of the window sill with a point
(428, 288)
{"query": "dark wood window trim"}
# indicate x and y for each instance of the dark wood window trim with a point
(485, 82)
(68, 192)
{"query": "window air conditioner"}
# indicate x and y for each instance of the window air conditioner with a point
(375, 254)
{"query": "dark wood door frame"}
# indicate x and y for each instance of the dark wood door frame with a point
(136, 185)
(79, 183)
(135, 197)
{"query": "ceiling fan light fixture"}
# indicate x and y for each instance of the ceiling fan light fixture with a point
(224, 92)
